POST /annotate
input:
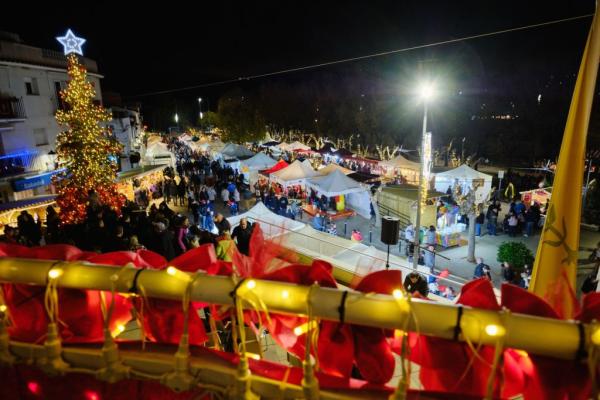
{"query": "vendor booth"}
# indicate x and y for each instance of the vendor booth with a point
(36, 206)
(251, 167)
(232, 150)
(132, 183)
(296, 146)
(539, 196)
(158, 153)
(402, 200)
(401, 167)
(346, 191)
(466, 177)
(329, 168)
(294, 174)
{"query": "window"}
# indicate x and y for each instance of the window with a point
(31, 86)
(41, 138)
(58, 87)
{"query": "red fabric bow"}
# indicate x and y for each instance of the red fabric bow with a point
(443, 363)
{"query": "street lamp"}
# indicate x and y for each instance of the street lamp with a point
(176, 118)
(426, 92)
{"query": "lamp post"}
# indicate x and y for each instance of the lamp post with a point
(200, 106)
(426, 93)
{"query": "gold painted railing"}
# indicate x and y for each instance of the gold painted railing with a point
(542, 336)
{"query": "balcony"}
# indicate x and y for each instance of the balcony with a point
(16, 163)
(11, 108)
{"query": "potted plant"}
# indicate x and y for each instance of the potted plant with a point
(516, 254)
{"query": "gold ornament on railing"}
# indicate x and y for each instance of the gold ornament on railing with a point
(53, 363)
(310, 383)
(180, 379)
(114, 369)
(5, 356)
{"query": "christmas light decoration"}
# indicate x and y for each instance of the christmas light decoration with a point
(84, 150)
(71, 43)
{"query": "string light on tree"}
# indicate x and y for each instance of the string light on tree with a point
(85, 147)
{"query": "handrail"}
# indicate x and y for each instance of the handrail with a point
(542, 336)
(391, 263)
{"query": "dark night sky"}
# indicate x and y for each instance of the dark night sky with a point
(145, 48)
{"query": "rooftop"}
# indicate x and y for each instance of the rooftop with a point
(12, 49)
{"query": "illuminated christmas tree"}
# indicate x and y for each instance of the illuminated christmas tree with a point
(84, 149)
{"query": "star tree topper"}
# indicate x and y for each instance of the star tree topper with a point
(71, 43)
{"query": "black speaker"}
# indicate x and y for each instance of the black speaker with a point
(390, 230)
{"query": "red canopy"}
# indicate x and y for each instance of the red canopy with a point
(280, 165)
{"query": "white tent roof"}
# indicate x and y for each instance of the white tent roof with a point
(400, 162)
(297, 146)
(259, 161)
(296, 172)
(232, 150)
(329, 168)
(282, 146)
(270, 223)
(463, 173)
(334, 184)
(156, 149)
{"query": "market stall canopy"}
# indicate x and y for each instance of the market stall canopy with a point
(329, 168)
(295, 146)
(259, 161)
(401, 162)
(281, 164)
(153, 139)
(295, 173)
(363, 177)
(343, 153)
(328, 148)
(465, 176)
(271, 224)
(334, 184)
(157, 149)
(269, 143)
(232, 150)
(410, 192)
(185, 137)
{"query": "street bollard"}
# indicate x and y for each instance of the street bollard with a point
(345, 228)
(370, 236)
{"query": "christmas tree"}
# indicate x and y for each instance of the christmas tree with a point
(84, 150)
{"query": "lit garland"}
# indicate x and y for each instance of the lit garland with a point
(84, 149)
(427, 161)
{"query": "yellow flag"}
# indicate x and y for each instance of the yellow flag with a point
(555, 267)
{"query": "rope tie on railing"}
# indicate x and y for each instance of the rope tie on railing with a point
(310, 383)
(499, 332)
(53, 363)
(180, 379)
(403, 299)
(114, 369)
(241, 388)
(593, 355)
(457, 328)
(5, 356)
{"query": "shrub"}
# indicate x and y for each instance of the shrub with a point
(516, 254)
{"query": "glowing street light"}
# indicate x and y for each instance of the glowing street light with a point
(176, 118)
(427, 93)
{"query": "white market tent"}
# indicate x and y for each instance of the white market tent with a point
(158, 153)
(271, 224)
(336, 184)
(258, 162)
(185, 137)
(294, 174)
(232, 150)
(465, 176)
(352, 258)
(334, 167)
(407, 168)
(297, 146)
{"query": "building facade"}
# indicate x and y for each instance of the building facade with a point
(30, 81)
